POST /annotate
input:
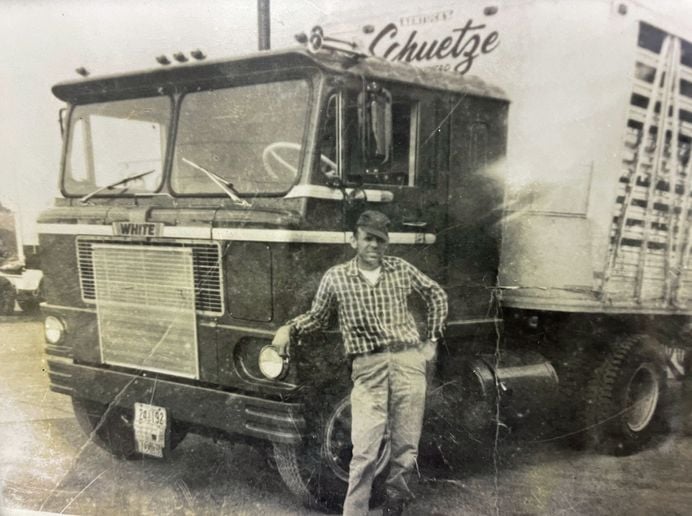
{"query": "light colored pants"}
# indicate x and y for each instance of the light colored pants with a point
(388, 394)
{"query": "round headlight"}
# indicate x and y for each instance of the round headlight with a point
(272, 365)
(53, 329)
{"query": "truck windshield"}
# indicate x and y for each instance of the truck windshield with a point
(251, 136)
(111, 141)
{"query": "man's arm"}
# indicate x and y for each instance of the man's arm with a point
(435, 301)
(315, 318)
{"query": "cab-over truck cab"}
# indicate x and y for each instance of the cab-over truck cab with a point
(202, 203)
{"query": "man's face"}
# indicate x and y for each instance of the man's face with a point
(369, 249)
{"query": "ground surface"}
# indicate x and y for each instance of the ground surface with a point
(47, 464)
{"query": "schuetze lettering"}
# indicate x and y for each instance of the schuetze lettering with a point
(465, 44)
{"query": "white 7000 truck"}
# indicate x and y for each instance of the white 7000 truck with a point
(540, 171)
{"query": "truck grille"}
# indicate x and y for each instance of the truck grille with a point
(206, 263)
(145, 302)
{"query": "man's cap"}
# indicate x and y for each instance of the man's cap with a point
(374, 223)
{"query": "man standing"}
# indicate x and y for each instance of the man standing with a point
(389, 359)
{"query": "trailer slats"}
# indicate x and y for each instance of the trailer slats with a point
(651, 236)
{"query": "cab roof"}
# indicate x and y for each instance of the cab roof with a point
(171, 78)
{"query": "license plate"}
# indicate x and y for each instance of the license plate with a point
(151, 423)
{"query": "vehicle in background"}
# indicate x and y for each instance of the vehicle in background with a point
(18, 283)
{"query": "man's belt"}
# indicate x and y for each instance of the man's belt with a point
(394, 347)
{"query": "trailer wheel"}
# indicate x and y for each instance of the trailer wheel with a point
(623, 409)
(8, 296)
(316, 471)
(111, 428)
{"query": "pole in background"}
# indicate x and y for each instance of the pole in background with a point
(263, 24)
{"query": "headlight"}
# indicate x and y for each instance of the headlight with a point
(272, 365)
(53, 329)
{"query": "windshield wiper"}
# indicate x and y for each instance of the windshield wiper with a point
(219, 181)
(112, 185)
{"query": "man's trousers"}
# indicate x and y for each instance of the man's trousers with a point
(388, 395)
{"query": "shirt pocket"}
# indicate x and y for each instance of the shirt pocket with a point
(403, 288)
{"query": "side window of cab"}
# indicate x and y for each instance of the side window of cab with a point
(379, 131)
(372, 137)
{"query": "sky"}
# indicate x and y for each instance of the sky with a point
(42, 42)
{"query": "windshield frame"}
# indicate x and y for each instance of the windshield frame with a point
(311, 76)
(118, 193)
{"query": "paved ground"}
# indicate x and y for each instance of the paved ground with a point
(47, 464)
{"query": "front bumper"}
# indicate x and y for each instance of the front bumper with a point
(230, 412)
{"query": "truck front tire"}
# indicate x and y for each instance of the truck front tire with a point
(623, 406)
(316, 471)
(110, 428)
(29, 306)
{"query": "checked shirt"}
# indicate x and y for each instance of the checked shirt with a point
(372, 317)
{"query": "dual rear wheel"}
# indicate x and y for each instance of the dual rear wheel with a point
(623, 406)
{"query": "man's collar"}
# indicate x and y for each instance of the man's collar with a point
(387, 265)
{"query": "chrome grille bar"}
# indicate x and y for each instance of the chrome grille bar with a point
(145, 302)
(207, 270)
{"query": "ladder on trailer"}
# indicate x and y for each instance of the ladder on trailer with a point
(651, 234)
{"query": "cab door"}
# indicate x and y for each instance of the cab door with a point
(408, 181)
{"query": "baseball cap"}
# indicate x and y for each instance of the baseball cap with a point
(374, 223)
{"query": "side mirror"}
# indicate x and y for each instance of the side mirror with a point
(375, 110)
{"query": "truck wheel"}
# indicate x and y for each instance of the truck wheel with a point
(29, 306)
(686, 408)
(112, 430)
(623, 409)
(7, 297)
(316, 471)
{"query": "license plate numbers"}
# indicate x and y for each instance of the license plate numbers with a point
(151, 423)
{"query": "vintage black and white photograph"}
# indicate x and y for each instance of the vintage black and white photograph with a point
(305, 257)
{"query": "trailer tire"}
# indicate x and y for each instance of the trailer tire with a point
(623, 407)
(110, 428)
(8, 295)
(316, 470)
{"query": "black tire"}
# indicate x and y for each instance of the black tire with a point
(8, 295)
(686, 408)
(110, 428)
(623, 409)
(316, 471)
(29, 306)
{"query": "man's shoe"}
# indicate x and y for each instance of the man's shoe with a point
(393, 508)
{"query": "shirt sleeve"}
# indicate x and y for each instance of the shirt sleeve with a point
(318, 316)
(435, 300)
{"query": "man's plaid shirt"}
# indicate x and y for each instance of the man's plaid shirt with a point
(371, 317)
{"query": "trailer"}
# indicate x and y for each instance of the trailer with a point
(545, 186)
